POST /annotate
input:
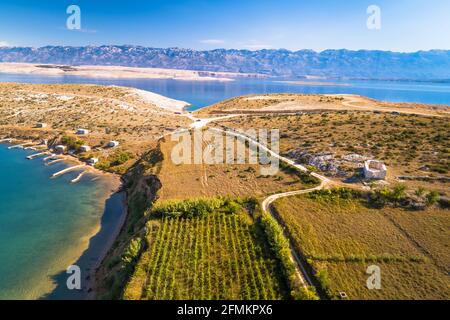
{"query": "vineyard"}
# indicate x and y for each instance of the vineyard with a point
(219, 255)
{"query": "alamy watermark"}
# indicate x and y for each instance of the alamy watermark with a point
(374, 280)
(374, 19)
(74, 280)
(215, 146)
(74, 20)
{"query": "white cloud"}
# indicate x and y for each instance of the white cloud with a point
(254, 45)
(4, 44)
(212, 41)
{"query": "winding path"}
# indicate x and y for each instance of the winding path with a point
(301, 273)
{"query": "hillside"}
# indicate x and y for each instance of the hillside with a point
(422, 65)
(132, 117)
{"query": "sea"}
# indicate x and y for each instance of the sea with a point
(48, 224)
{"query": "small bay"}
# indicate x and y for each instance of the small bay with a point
(47, 224)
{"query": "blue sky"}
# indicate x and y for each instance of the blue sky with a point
(406, 25)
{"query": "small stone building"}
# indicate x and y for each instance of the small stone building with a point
(374, 169)
(85, 149)
(41, 125)
(82, 131)
(60, 148)
(92, 161)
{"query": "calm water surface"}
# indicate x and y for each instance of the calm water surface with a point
(45, 224)
(204, 93)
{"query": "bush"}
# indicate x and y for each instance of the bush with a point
(119, 158)
(306, 293)
(114, 160)
(129, 257)
(420, 192)
(384, 196)
(335, 194)
(322, 277)
(398, 193)
(233, 207)
(432, 198)
(72, 142)
(279, 246)
(305, 177)
(188, 208)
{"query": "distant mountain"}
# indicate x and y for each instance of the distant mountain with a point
(423, 65)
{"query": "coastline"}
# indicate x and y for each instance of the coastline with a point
(91, 282)
(116, 72)
(94, 245)
(316, 83)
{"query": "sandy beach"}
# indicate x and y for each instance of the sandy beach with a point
(160, 101)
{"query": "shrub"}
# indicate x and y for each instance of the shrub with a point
(398, 193)
(119, 158)
(306, 293)
(233, 207)
(420, 192)
(335, 194)
(381, 197)
(322, 277)
(72, 142)
(305, 177)
(279, 246)
(189, 208)
(131, 254)
(432, 198)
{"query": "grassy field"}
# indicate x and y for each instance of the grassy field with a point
(410, 145)
(342, 237)
(219, 255)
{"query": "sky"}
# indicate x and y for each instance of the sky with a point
(406, 25)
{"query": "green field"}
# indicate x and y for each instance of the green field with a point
(342, 237)
(219, 255)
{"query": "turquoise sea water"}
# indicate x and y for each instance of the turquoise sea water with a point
(204, 93)
(46, 224)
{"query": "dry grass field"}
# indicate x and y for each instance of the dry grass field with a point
(341, 238)
(293, 103)
(410, 145)
(180, 181)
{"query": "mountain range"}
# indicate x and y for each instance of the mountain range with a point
(362, 64)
